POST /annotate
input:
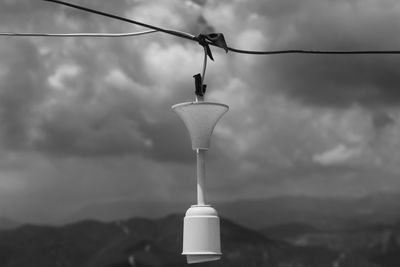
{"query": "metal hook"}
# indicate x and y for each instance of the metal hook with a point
(199, 79)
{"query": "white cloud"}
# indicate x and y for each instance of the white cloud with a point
(161, 14)
(118, 78)
(169, 66)
(337, 155)
(251, 40)
(65, 71)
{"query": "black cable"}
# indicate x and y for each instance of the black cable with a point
(227, 48)
(325, 52)
(84, 34)
(176, 33)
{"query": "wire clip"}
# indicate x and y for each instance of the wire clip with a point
(200, 88)
(216, 39)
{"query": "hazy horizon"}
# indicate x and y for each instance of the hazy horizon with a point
(115, 210)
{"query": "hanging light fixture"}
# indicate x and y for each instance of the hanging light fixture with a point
(201, 231)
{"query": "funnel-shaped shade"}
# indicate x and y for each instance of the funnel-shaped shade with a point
(200, 119)
(201, 234)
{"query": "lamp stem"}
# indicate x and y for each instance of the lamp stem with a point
(201, 175)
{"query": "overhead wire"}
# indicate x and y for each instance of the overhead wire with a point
(78, 34)
(172, 32)
(214, 39)
(186, 35)
(231, 49)
(324, 52)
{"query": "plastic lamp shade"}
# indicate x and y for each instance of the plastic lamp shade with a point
(200, 119)
(201, 234)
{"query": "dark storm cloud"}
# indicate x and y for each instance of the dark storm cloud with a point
(381, 120)
(170, 142)
(74, 134)
(333, 80)
(338, 81)
(22, 89)
(118, 131)
(114, 125)
(199, 2)
(88, 123)
(204, 26)
(93, 114)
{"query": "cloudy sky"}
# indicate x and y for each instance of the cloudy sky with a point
(87, 120)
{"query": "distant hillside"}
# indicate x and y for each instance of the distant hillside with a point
(386, 251)
(144, 242)
(317, 212)
(110, 211)
(6, 224)
(373, 244)
(288, 230)
(261, 213)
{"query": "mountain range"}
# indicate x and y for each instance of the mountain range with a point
(143, 242)
(278, 232)
(158, 242)
(6, 223)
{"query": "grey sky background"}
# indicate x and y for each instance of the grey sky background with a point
(87, 120)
